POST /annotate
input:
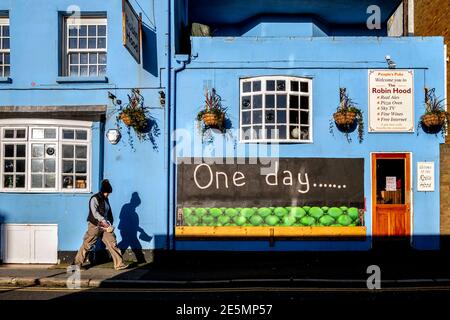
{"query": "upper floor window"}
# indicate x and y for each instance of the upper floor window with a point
(85, 47)
(44, 158)
(4, 48)
(275, 109)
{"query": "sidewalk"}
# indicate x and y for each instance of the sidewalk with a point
(210, 269)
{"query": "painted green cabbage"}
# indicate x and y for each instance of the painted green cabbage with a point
(240, 220)
(335, 212)
(345, 220)
(353, 213)
(288, 220)
(272, 220)
(256, 220)
(192, 220)
(215, 212)
(280, 212)
(200, 211)
(326, 220)
(272, 216)
(247, 212)
(231, 212)
(298, 212)
(264, 212)
(315, 212)
(307, 221)
(223, 219)
(208, 220)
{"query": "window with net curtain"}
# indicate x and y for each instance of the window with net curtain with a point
(5, 65)
(85, 41)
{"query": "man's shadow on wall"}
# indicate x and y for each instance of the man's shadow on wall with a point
(129, 228)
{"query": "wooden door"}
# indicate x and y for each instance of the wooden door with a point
(391, 195)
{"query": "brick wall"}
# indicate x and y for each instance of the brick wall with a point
(445, 189)
(432, 18)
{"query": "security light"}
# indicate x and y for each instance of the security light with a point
(162, 98)
(113, 136)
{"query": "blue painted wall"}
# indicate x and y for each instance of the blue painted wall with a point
(332, 63)
(34, 71)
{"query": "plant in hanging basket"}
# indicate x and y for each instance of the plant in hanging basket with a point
(213, 120)
(436, 118)
(126, 119)
(213, 114)
(348, 117)
(135, 115)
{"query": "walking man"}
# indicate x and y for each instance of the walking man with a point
(100, 224)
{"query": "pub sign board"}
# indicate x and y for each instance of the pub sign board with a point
(132, 29)
(270, 182)
(391, 100)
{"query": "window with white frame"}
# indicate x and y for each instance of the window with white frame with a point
(45, 158)
(5, 65)
(276, 109)
(85, 47)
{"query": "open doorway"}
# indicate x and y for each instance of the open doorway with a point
(391, 195)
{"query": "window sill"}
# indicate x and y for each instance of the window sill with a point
(5, 80)
(62, 80)
(49, 192)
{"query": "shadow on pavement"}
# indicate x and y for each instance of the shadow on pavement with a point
(238, 277)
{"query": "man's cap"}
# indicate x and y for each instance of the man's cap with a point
(106, 187)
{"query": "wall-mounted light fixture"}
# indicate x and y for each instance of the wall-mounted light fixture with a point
(162, 98)
(113, 136)
(390, 62)
(114, 99)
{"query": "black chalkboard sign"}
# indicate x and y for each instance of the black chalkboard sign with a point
(256, 182)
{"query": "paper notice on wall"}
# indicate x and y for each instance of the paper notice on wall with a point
(425, 176)
(391, 184)
(391, 100)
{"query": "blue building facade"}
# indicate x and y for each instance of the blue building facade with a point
(60, 98)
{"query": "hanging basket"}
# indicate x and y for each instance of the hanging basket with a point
(344, 118)
(434, 119)
(212, 120)
(126, 119)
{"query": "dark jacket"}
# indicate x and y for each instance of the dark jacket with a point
(101, 208)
